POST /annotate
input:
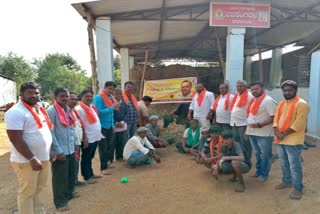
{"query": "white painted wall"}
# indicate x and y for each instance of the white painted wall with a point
(276, 94)
(8, 91)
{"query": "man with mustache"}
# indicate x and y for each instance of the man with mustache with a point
(289, 125)
(64, 141)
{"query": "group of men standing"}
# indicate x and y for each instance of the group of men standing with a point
(58, 135)
(254, 120)
(247, 120)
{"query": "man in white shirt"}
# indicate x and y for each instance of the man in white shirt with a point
(79, 129)
(138, 150)
(220, 111)
(27, 126)
(92, 129)
(238, 120)
(200, 106)
(260, 131)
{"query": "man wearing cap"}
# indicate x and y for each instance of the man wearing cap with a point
(138, 150)
(232, 160)
(153, 133)
(289, 124)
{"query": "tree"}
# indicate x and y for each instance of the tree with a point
(117, 71)
(60, 70)
(17, 68)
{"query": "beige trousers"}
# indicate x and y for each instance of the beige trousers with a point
(32, 187)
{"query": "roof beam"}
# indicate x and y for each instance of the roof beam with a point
(155, 9)
(161, 25)
(297, 14)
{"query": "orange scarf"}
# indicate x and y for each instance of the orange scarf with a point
(107, 101)
(63, 119)
(218, 148)
(36, 116)
(226, 102)
(79, 118)
(287, 121)
(89, 113)
(133, 98)
(243, 99)
(201, 96)
(255, 103)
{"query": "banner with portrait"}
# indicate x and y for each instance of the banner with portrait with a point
(177, 90)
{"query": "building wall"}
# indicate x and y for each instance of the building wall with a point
(277, 94)
(8, 91)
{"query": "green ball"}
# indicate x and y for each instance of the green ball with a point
(124, 180)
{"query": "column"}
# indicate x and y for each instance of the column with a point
(104, 43)
(314, 95)
(124, 65)
(131, 62)
(234, 59)
(276, 68)
(247, 69)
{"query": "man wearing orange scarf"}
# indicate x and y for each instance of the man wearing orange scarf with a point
(200, 106)
(238, 120)
(92, 129)
(290, 122)
(27, 126)
(220, 111)
(64, 141)
(133, 108)
(260, 113)
(106, 104)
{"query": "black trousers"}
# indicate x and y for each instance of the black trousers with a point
(86, 160)
(106, 148)
(120, 139)
(63, 173)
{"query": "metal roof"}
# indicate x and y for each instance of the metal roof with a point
(180, 28)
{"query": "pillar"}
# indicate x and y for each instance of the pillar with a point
(247, 69)
(314, 95)
(124, 65)
(104, 43)
(234, 59)
(276, 68)
(131, 62)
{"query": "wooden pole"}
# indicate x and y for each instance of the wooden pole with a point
(221, 60)
(144, 72)
(90, 27)
(260, 66)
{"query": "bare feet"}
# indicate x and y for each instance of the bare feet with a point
(91, 181)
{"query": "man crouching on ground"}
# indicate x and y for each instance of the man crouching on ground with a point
(138, 150)
(232, 161)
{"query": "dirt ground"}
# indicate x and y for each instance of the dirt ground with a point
(177, 185)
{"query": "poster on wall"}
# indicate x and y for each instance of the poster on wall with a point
(239, 15)
(176, 90)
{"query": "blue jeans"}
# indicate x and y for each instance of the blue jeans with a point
(262, 147)
(138, 158)
(291, 166)
(132, 127)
